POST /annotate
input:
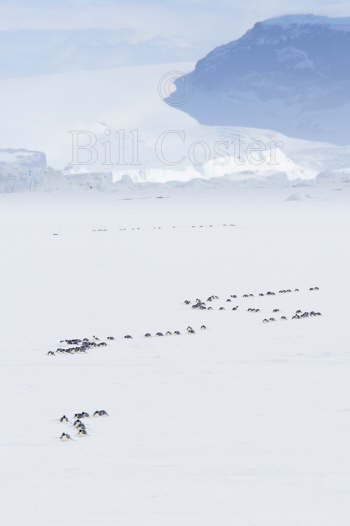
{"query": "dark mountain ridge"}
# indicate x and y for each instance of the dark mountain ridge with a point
(290, 74)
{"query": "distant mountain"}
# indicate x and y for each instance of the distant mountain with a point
(26, 53)
(290, 74)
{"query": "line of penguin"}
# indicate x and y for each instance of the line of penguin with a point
(77, 423)
(297, 315)
(158, 227)
(172, 227)
(200, 304)
(77, 346)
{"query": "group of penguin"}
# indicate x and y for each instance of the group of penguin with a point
(76, 346)
(78, 424)
(299, 315)
(200, 304)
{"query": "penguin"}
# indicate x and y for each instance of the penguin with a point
(65, 436)
(81, 426)
(64, 419)
(82, 432)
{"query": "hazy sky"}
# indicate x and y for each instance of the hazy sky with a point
(188, 20)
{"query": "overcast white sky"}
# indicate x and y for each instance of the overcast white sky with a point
(189, 20)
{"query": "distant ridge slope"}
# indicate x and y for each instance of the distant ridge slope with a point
(290, 74)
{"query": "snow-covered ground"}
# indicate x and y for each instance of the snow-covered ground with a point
(244, 424)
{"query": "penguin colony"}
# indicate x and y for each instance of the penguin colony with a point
(76, 346)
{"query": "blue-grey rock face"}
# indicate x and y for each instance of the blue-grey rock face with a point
(290, 74)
